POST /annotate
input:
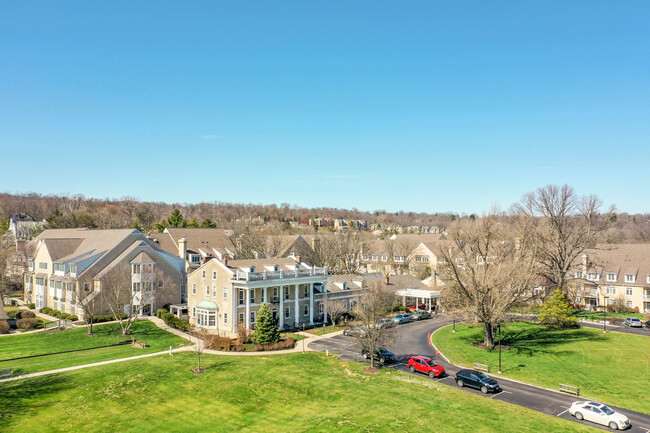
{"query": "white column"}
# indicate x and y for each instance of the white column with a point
(248, 309)
(296, 317)
(266, 295)
(325, 304)
(281, 288)
(311, 303)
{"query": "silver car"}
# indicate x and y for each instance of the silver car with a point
(633, 322)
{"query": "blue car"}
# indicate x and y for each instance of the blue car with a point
(402, 318)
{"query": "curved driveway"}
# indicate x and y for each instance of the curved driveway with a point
(412, 340)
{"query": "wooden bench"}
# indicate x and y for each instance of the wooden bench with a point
(569, 389)
(139, 344)
(482, 367)
(7, 372)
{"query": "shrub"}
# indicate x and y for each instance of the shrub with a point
(13, 314)
(46, 310)
(175, 322)
(266, 331)
(27, 323)
(64, 316)
(73, 317)
(239, 347)
(4, 327)
(160, 312)
(243, 334)
(215, 342)
(31, 306)
(26, 314)
(556, 312)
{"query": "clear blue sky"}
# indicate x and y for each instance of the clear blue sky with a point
(419, 106)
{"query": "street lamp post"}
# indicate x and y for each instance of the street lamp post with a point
(454, 329)
(605, 315)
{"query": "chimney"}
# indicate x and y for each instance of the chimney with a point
(585, 263)
(387, 280)
(182, 248)
(225, 260)
(299, 258)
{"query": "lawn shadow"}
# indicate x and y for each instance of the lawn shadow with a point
(537, 340)
(24, 397)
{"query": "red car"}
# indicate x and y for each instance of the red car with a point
(425, 365)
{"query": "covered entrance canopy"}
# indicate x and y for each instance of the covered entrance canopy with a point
(419, 297)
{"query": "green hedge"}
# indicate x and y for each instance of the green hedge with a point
(175, 322)
(104, 318)
(31, 306)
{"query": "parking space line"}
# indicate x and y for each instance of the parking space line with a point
(563, 412)
(502, 392)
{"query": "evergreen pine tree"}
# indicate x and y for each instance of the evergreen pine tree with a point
(556, 312)
(266, 331)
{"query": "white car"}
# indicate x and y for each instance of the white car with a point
(599, 413)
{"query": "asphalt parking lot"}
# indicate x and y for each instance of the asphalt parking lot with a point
(412, 340)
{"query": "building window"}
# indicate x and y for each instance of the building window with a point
(136, 269)
(225, 318)
(287, 312)
(286, 292)
(207, 290)
(592, 276)
(275, 294)
(214, 275)
(611, 277)
(148, 286)
(136, 287)
(321, 307)
(241, 318)
(195, 258)
(578, 274)
(305, 292)
(647, 279)
(193, 311)
(42, 265)
(59, 267)
(241, 297)
(207, 318)
(305, 310)
(421, 259)
(629, 291)
(611, 290)
(86, 287)
(629, 278)
(203, 274)
(252, 292)
(628, 304)
(194, 288)
(73, 269)
(214, 291)
(252, 316)
(160, 284)
(225, 293)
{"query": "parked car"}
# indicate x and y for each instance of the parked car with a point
(633, 322)
(476, 379)
(647, 324)
(384, 356)
(383, 323)
(356, 331)
(425, 365)
(402, 318)
(420, 315)
(600, 414)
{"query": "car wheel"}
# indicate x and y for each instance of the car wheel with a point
(613, 425)
(579, 416)
(412, 369)
(345, 334)
(432, 374)
(484, 389)
(365, 355)
(460, 383)
(382, 360)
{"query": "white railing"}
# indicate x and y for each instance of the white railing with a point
(275, 275)
(139, 278)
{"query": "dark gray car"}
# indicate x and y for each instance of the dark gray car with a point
(477, 379)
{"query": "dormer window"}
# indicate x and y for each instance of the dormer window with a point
(611, 276)
(578, 274)
(276, 268)
(592, 276)
(252, 269)
(630, 278)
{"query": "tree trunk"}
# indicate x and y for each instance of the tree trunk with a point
(488, 335)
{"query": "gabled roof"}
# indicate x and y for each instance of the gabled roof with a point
(143, 258)
(198, 239)
(620, 259)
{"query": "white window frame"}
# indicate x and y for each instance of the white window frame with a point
(207, 290)
(214, 275)
(241, 297)
(225, 293)
(630, 278)
(629, 291)
(611, 290)
(611, 276)
(252, 317)
(214, 290)
(42, 266)
(287, 312)
(194, 288)
(225, 318)
(629, 304)
(203, 274)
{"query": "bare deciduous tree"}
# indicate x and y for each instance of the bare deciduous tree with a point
(564, 224)
(487, 271)
(370, 307)
(124, 300)
(198, 338)
(335, 308)
(87, 301)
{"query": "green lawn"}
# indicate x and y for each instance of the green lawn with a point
(288, 393)
(38, 343)
(612, 367)
(598, 315)
(325, 330)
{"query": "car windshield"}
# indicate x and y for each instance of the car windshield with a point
(431, 362)
(607, 410)
(483, 376)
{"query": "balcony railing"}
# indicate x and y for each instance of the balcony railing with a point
(646, 297)
(139, 278)
(278, 275)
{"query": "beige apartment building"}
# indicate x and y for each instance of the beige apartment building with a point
(225, 293)
(612, 272)
(67, 267)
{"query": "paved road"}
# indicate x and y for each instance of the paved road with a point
(625, 329)
(412, 340)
